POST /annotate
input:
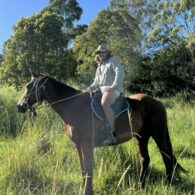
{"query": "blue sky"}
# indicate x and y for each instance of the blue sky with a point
(12, 10)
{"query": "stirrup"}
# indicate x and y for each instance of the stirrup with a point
(112, 139)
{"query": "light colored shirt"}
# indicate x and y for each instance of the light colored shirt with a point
(110, 74)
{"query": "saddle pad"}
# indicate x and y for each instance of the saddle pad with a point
(120, 105)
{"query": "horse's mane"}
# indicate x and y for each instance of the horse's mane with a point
(61, 88)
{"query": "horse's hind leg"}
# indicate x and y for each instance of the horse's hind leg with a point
(144, 156)
(163, 141)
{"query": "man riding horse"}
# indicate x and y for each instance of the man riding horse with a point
(109, 79)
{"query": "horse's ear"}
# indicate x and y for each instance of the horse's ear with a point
(34, 73)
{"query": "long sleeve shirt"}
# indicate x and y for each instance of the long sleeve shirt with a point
(110, 74)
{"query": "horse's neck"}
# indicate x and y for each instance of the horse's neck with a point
(58, 91)
(72, 109)
(60, 97)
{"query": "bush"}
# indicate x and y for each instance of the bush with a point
(170, 71)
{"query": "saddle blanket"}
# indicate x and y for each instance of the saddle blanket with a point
(120, 105)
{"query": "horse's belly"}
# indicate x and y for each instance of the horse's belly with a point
(128, 125)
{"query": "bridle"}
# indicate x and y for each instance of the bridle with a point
(35, 89)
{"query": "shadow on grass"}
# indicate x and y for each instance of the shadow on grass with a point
(183, 184)
(187, 154)
(154, 178)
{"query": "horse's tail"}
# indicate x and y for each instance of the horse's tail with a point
(177, 168)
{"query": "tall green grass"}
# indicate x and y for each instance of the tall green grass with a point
(40, 159)
(11, 120)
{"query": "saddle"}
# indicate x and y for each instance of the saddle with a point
(119, 106)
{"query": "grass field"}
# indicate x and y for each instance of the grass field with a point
(36, 157)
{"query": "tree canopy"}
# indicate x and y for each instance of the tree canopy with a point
(41, 43)
(168, 51)
(172, 43)
(173, 24)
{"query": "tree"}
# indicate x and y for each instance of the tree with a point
(173, 44)
(68, 9)
(174, 22)
(119, 31)
(173, 70)
(168, 44)
(1, 59)
(142, 11)
(161, 22)
(38, 43)
(42, 43)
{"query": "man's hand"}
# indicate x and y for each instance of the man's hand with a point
(106, 89)
(91, 88)
(88, 89)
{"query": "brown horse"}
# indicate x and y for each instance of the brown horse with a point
(146, 119)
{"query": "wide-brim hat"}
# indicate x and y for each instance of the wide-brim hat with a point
(102, 48)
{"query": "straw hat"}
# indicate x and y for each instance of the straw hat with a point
(102, 48)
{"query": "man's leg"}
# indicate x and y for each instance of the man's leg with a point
(108, 98)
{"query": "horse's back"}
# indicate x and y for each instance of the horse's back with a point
(152, 107)
(147, 100)
(153, 111)
(139, 96)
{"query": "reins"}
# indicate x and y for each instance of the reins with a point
(93, 124)
(61, 100)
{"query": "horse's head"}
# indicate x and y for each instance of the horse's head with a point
(34, 93)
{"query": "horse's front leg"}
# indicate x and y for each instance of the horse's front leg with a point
(80, 153)
(86, 155)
